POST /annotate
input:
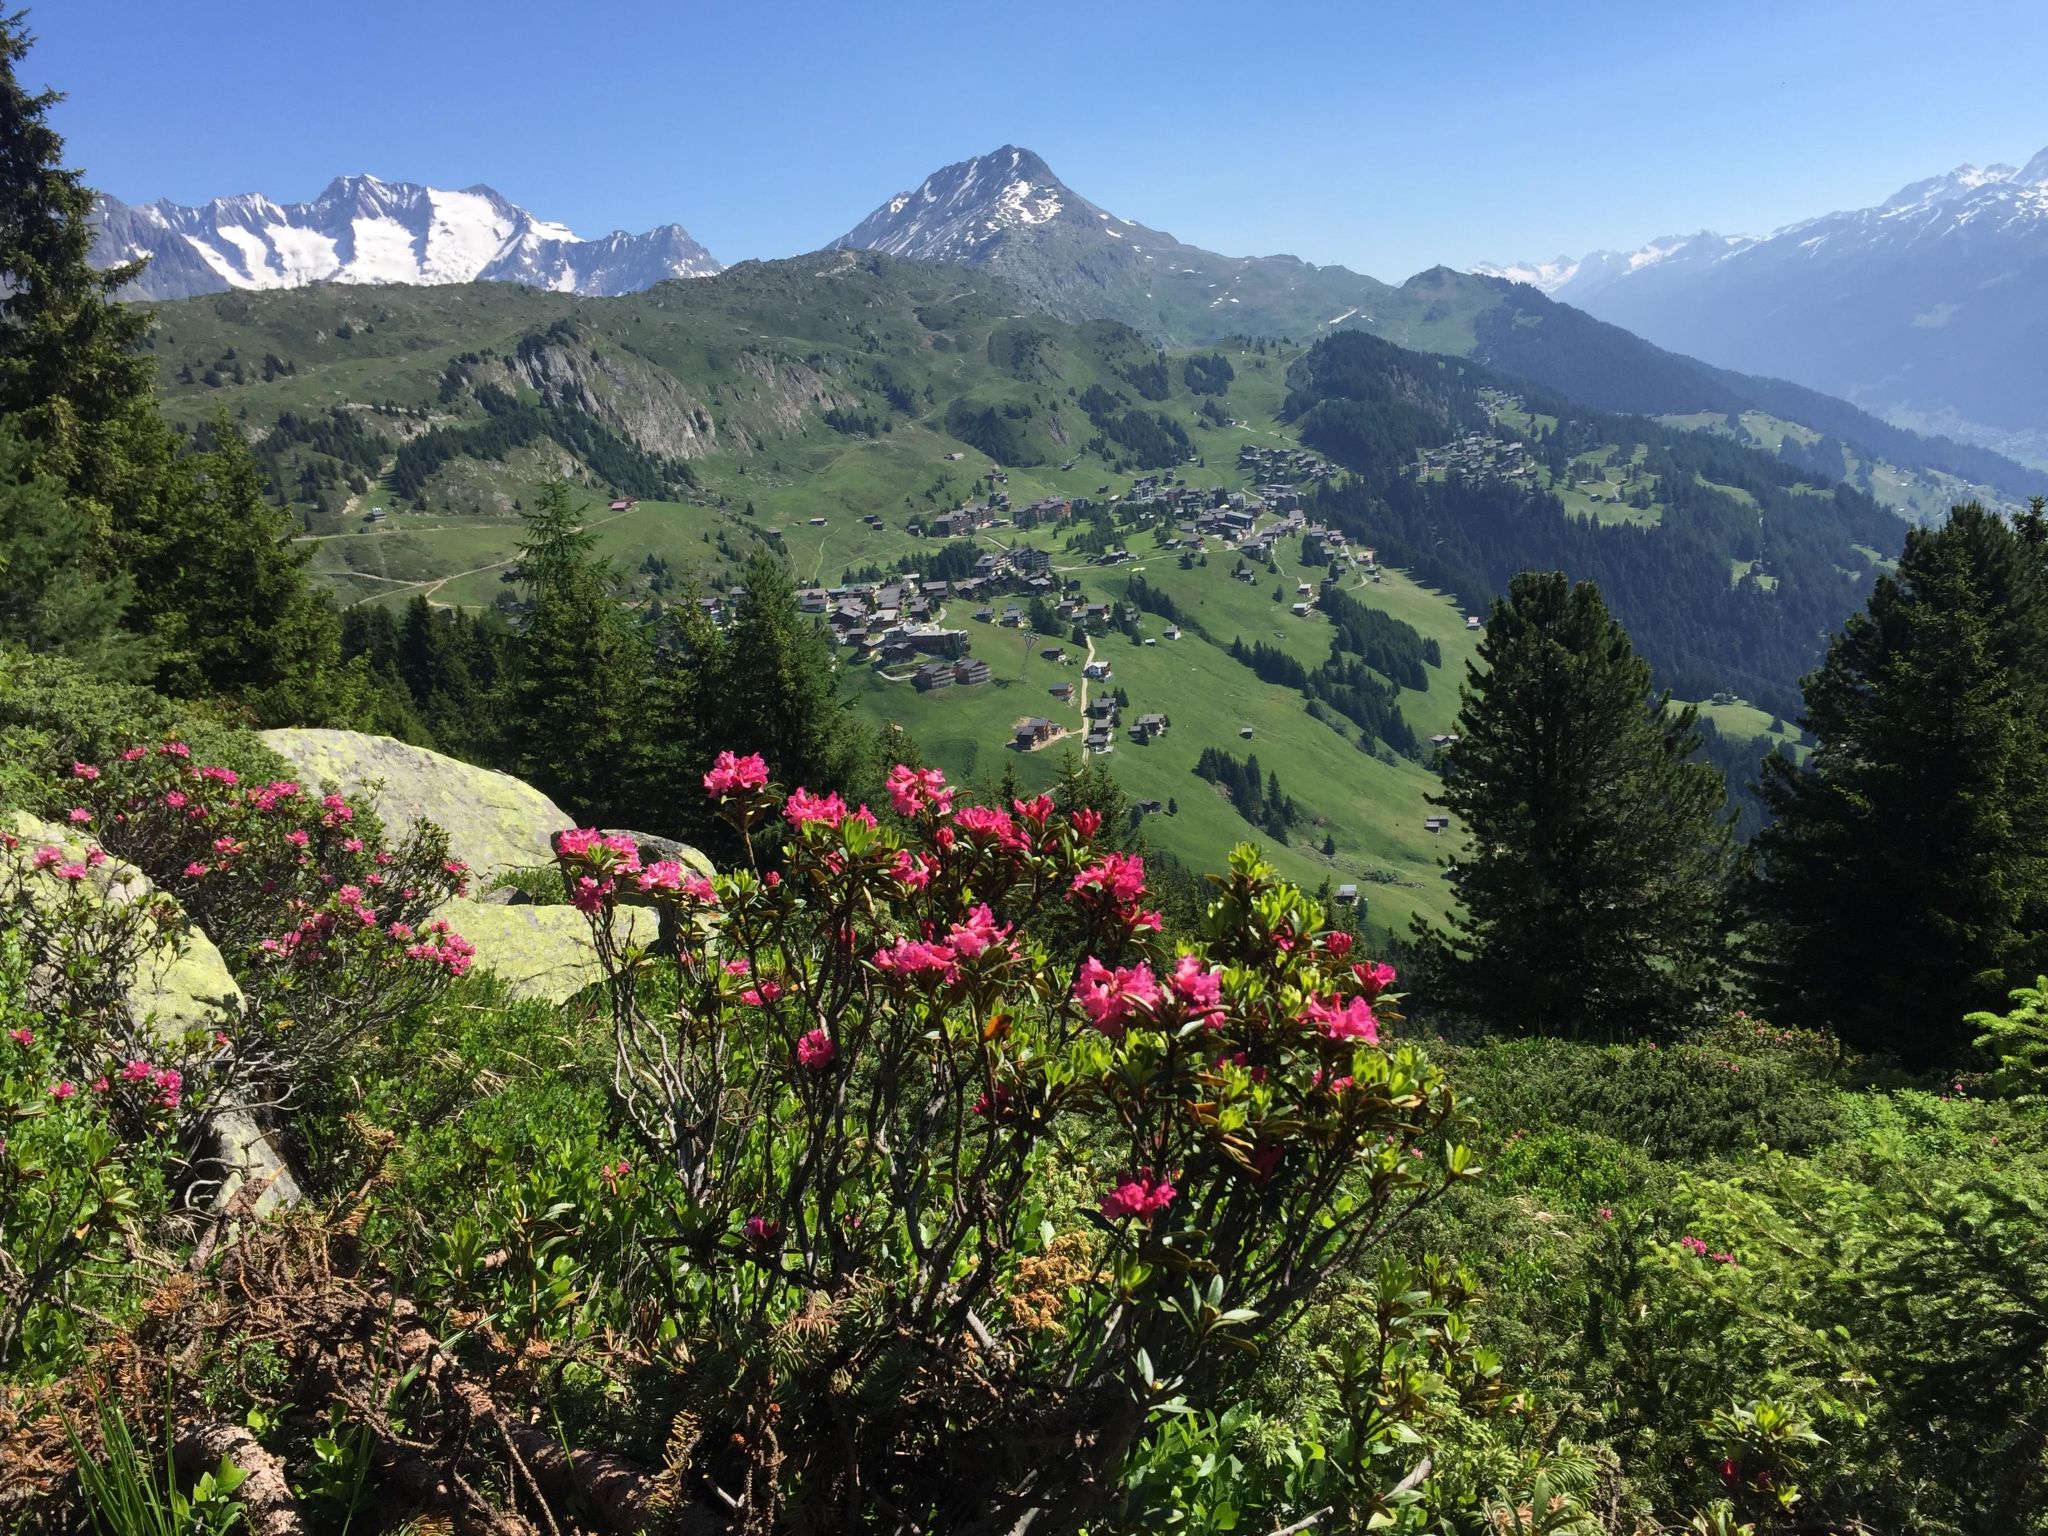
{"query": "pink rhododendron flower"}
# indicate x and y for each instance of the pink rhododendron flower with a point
(96, 857)
(1197, 988)
(761, 1231)
(802, 808)
(1037, 810)
(133, 754)
(987, 824)
(1351, 1019)
(731, 775)
(737, 968)
(915, 960)
(1120, 877)
(297, 837)
(221, 775)
(911, 870)
(22, 1036)
(1087, 822)
(137, 1071)
(1337, 943)
(816, 1050)
(80, 816)
(195, 870)
(84, 771)
(576, 842)
(72, 872)
(664, 875)
(61, 1091)
(1110, 997)
(912, 789)
(1142, 1198)
(175, 799)
(975, 937)
(1375, 976)
(47, 858)
(698, 888)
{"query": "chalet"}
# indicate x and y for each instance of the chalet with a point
(1347, 895)
(1302, 589)
(1435, 823)
(1103, 710)
(1054, 653)
(1472, 621)
(1012, 616)
(1064, 692)
(814, 599)
(1149, 726)
(933, 675)
(968, 671)
(1101, 743)
(1172, 634)
(1031, 561)
(1098, 670)
(376, 514)
(1035, 732)
(624, 504)
(1245, 731)
(985, 615)
(817, 522)
(1301, 610)
(1445, 739)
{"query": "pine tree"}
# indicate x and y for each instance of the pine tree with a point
(579, 693)
(1905, 881)
(1598, 853)
(72, 374)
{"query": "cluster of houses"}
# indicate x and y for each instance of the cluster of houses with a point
(1282, 468)
(996, 512)
(1478, 454)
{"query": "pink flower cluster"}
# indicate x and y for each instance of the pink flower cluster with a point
(443, 946)
(1699, 1250)
(1112, 999)
(815, 1050)
(1142, 1198)
(803, 808)
(919, 960)
(1349, 1019)
(912, 790)
(732, 775)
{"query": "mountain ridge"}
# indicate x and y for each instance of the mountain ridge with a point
(1929, 308)
(361, 229)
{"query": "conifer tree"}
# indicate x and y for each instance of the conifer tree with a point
(72, 374)
(1597, 849)
(50, 597)
(579, 682)
(222, 591)
(1905, 880)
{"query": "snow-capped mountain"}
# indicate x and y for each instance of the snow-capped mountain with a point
(1007, 210)
(1930, 307)
(362, 230)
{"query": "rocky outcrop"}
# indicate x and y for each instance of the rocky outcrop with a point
(542, 952)
(493, 820)
(643, 404)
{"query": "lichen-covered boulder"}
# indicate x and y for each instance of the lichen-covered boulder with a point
(493, 820)
(185, 984)
(542, 952)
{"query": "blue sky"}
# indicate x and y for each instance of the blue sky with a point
(1386, 137)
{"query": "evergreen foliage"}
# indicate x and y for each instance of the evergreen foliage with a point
(1905, 881)
(51, 598)
(1597, 850)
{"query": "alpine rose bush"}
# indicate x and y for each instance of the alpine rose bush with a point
(887, 1084)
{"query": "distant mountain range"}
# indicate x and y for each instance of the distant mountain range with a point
(362, 230)
(1930, 308)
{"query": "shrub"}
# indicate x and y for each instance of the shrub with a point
(931, 1126)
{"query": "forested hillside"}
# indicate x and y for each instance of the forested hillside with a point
(1728, 575)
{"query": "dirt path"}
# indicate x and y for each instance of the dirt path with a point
(1084, 679)
(429, 587)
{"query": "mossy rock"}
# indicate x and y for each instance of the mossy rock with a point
(493, 820)
(541, 952)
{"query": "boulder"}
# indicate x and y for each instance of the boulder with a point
(493, 820)
(542, 952)
(184, 985)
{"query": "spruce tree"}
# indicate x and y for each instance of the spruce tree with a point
(1598, 853)
(51, 600)
(580, 665)
(72, 372)
(1904, 883)
(775, 689)
(222, 590)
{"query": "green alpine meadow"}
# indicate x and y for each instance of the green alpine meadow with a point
(1010, 877)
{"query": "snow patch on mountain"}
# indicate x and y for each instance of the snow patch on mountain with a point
(363, 230)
